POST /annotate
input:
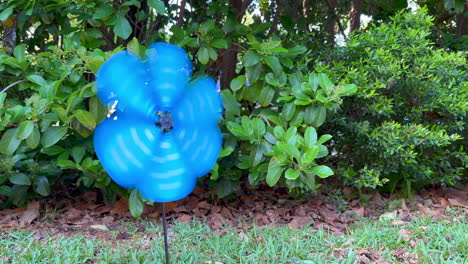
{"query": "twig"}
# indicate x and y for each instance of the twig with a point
(13, 84)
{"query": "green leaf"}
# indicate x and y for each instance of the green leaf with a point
(33, 140)
(203, 55)
(238, 82)
(5, 190)
(324, 82)
(348, 89)
(9, 142)
(25, 129)
(315, 115)
(291, 132)
(2, 99)
(219, 43)
(256, 156)
(78, 153)
(19, 195)
(158, 5)
(231, 105)
(274, 172)
(226, 151)
(85, 118)
(20, 179)
(258, 127)
(37, 80)
(289, 149)
(288, 111)
(134, 47)
(6, 13)
(66, 164)
(324, 138)
(309, 155)
(135, 204)
(20, 53)
(61, 113)
(250, 58)
(322, 171)
(52, 135)
(279, 132)
(309, 179)
(292, 174)
(41, 186)
(122, 27)
(97, 109)
(103, 12)
(266, 96)
(310, 136)
(274, 64)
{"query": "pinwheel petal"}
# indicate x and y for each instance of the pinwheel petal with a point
(125, 146)
(200, 146)
(169, 70)
(121, 83)
(168, 178)
(201, 105)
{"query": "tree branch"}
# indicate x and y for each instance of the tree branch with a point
(13, 84)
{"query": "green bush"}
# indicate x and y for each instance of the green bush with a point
(405, 126)
(274, 104)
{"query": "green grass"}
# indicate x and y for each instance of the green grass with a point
(435, 242)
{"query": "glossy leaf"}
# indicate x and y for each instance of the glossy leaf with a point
(9, 142)
(52, 135)
(25, 129)
(274, 172)
(135, 203)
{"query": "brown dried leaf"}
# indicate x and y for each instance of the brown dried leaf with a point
(185, 218)
(359, 211)
(204, 205)
(300, 221)
(398, 222)
(443, 202)
(457, 203)
(405, 233)
(31, 213)
(120, 207)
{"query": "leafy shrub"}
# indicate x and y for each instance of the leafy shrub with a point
(274, 104)
(406, 124)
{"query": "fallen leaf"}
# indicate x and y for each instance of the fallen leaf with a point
(405, 233)
(243, 236)
(359, 211)
(300, 221)
(185, 218)
(403, 205)
(107, 219)
(398, 222)
(100, 227)
(456, 203)
(443, 201)
(213, 262)
(120, 207)
(31, 213)
(388, 216)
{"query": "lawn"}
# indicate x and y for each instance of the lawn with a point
(422, 240)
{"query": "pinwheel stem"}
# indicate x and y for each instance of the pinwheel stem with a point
(166, 246)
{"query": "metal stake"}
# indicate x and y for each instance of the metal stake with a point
(166, 247)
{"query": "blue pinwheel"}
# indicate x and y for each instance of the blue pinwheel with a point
(162, 133)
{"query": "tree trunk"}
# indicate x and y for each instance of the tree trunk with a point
(330, 23)
(462, 21)
(356, 11)
(229, 57)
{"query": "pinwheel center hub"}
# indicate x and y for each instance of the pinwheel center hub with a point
(165, 122)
